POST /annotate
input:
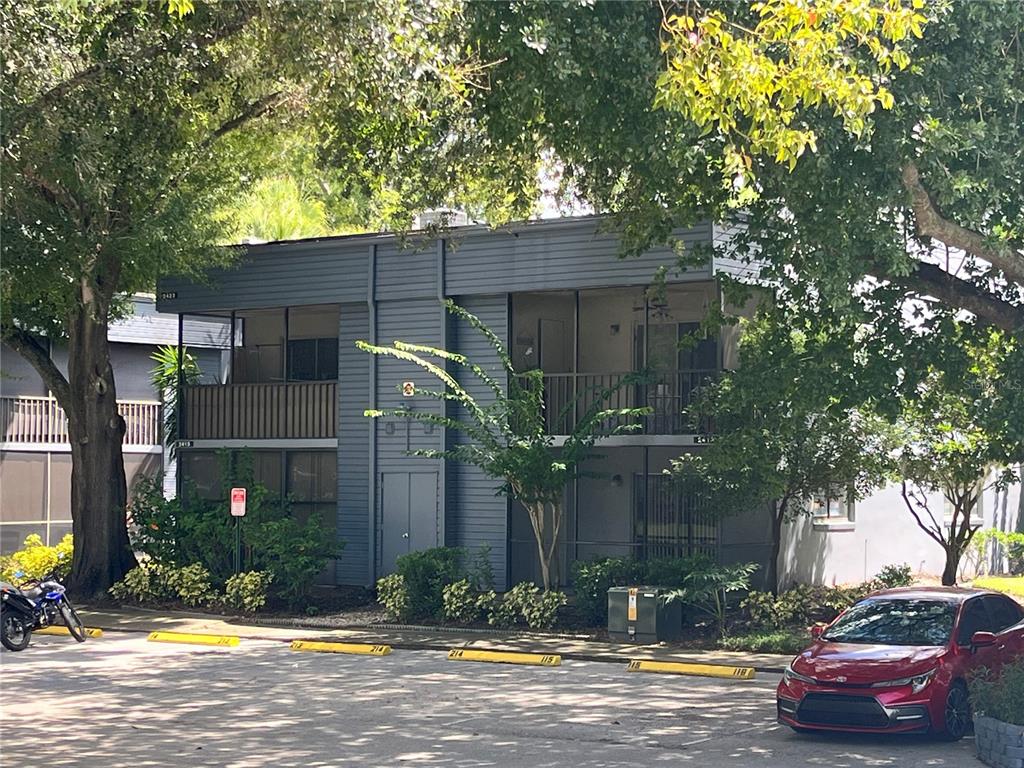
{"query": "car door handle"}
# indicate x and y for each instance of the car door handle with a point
(405, 535)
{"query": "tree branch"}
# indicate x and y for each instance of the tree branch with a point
(932, 280)
(937, 537)
(930, 223)
(28, 346)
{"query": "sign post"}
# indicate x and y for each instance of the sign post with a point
(238, 512)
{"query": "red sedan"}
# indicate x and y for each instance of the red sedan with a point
(898, 661)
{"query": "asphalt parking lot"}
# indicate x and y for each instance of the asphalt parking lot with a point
(119, 701)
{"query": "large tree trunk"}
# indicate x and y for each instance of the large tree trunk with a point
(102, 553)
(952, 566)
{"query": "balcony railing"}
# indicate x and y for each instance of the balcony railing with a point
(40, 420)
(567, 396)
(261, 411)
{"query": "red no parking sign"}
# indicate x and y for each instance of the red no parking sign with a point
(238, 502)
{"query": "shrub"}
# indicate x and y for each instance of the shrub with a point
(36, 560)
(190, 584)
(593, 579)
(147, 583)
(999, 695)
(176, 534)
(460, 601)
(525, 604)
(247, 592)
(293, 551)
(426, 573)
(707, 588)
(541, 611)
(788, 641)
(894, 576)
(393, 595)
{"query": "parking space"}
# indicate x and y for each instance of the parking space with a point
(120, 701)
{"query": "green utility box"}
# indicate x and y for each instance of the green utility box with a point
(643, 615)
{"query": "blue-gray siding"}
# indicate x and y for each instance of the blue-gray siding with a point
(417, 321)
(476, 516)
(548, 258)
(353, 442)
(302, 273)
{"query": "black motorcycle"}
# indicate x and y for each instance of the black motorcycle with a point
(17, 618)
(49, 606)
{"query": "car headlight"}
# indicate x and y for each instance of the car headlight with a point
(917, 683)
(789, 676)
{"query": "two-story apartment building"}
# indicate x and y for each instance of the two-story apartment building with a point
(561, 300)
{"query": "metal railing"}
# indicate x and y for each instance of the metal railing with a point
(41, 420)
(567, 396)
(261, 411)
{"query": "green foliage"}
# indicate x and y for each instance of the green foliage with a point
(177, 534)
(190, 584)
(707, 589)
(393, 595)
(787, 641)
(592, 580)
(480, 571)
(892, 576)
(1012, 543)
(805, 604)
(247, 592)
(426, 573)
(294, 552)
(525, 604)
(999, 695)
(35, 560)
(508, 436)
(146, 583)
(461, 602)
(164, 377)
(153, 582)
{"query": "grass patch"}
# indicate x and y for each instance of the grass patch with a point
(1011, 585)
(769, 641)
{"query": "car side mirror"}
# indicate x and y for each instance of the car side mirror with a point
(817, 631)
(982, 640)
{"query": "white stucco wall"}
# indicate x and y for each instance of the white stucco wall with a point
(882, 533)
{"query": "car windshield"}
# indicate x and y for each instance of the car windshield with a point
(895, 622)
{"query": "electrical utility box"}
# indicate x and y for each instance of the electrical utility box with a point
(643, 615)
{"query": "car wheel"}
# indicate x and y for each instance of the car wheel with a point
(956, 714)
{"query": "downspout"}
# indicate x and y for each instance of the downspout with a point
(442, 471)
(575, 418)
(371, 531)
(179, 416)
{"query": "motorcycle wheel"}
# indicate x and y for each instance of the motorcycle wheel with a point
(15, 632)
(71, 620)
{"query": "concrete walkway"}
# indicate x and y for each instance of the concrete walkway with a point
(422, 638)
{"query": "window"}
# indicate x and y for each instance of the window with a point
(1005, 612)
(831, 504)
(975, 618)
(896, 622)
(313, 484)
(313, 359)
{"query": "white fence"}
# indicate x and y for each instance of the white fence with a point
(41, 420)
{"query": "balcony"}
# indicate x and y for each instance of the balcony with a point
(41, 421)
(281, 410)
(567, 396)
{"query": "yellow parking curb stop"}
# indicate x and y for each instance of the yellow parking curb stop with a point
(699, 670)
(505, 657)
(364, 649)
(192, 638)
(89, 631)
